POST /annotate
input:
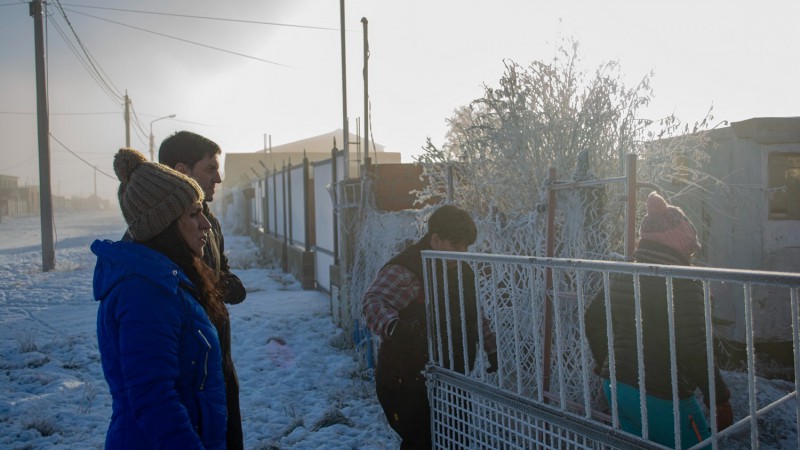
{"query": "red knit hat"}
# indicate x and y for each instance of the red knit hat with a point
(668, 225)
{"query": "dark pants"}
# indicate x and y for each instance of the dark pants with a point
(234, 437)
(407, 410)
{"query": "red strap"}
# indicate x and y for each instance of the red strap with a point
(696, 430)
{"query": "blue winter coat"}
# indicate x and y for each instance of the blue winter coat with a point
(160, 353)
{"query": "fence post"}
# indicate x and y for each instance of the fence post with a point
(630, 206)
(289, 231)
(265, 201)
(285, 252)
(548, 305)
(275, 198)
(450, 182)
(306, 203)
(335, 213)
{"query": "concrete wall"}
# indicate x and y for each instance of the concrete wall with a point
(740, 233)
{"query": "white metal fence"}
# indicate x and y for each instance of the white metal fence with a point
(325, 174)
(544, 393)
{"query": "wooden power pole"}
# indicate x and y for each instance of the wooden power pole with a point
(43, 125)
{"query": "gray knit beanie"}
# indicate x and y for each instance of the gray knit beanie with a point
(151, 195)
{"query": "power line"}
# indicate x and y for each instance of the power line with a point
(138, 128)
(83, 160)
(103, 77)
(255, 22)
(180, 39)
(21, 163)
(93, 74)
(94, 69)
(61, 114)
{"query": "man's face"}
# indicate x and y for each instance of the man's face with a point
(446, 245)
(205, 172)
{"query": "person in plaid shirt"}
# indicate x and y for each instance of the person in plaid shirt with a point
(394, 307)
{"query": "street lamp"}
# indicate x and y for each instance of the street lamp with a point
(152, 139)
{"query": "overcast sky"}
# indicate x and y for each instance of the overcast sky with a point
(426, 59)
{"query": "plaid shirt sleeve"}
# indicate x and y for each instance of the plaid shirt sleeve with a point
(393, 290)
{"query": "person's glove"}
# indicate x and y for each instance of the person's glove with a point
(233, 291)
(724, 415)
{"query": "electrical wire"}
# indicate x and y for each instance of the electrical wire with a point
(91, 65)
(99, 76)
(89, 58)
(255, 22)
(83, 160)
(19, 164)
(139, 130)
(89, 69)
(180, 39)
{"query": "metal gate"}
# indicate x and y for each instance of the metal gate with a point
(549, 397)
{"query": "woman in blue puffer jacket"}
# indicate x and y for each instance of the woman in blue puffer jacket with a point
(160, 352)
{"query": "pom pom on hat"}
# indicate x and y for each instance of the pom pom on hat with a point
(125, 162)
(668, 225)
(656, 204)
(151, 196)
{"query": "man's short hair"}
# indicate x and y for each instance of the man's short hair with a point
(186, 147)
(453, 224)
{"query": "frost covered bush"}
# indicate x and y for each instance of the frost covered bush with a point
(27, 343)
(43, 425)
(500, 148)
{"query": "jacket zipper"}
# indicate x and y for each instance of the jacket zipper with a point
(205, 365)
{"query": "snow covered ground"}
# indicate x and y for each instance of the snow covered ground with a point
(306, 394)
(300, 389)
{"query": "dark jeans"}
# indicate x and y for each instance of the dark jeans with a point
(407, 410)
(234, 437)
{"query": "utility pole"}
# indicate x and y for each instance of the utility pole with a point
(43, 125)
(127, 120)
(366, 96)
(345, 126)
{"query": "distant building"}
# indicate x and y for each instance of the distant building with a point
(15, 200)
(242, 167)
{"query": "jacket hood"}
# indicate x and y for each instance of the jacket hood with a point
(119, 260)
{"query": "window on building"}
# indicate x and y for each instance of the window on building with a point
(784, 185)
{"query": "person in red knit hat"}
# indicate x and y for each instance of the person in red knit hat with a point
(666, 236)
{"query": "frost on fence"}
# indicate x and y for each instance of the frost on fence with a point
(514, 298)
(545, 394)
(379, 236)
(587, 224)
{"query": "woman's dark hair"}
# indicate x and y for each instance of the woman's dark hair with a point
(171, 244)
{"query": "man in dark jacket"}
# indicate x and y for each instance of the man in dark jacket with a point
(394, 307)
(666, 237)
(198, 158)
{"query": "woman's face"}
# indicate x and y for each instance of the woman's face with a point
(193, 227)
